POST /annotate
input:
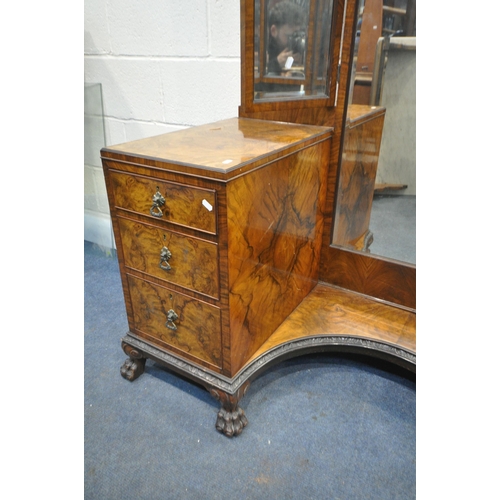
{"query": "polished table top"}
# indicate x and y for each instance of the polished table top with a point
(224, 147)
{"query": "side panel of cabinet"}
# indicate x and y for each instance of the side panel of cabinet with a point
(275, 222)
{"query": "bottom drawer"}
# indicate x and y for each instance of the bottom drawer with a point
(171, 319)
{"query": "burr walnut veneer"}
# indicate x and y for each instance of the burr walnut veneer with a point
(219, 231)
(356, 184)
(224, 239)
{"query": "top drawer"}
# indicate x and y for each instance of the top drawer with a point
(178, 204)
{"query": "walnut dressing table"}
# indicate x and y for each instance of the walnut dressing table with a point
(223, 236)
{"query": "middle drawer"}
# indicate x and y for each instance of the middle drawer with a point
(183, 260)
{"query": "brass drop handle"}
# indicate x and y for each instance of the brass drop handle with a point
(171, 317)
(158, 201)
(165, 256)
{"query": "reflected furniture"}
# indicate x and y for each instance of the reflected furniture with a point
(224, 238)
(379, 20)
(356, 185)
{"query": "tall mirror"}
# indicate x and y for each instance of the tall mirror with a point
(292, 49)
(376, 192)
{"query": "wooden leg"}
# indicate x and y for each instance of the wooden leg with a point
(134, 365)
(231, 418)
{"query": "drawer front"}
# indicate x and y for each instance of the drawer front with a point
(170, 319)
(186, 261)
(180, 204)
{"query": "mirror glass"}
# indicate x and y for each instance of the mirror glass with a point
(292, 49)
(376, 191)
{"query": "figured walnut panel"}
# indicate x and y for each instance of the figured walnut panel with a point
(358, 170)
(323, 116)
(387, 280)
(193, 263)
(198, 327)
(329, 310)
(274, 229)
(184, 205)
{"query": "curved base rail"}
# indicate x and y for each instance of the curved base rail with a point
(228, 391)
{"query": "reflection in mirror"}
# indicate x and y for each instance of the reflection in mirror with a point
(376, 192)
(292, 48)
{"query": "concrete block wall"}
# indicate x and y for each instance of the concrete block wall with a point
(163, 66)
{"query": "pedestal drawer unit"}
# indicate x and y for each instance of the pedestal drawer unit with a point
(218, 231)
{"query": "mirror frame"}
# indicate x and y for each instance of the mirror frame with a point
(312, 110)
(379, 277)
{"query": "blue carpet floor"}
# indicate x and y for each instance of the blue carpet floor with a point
(320, 426)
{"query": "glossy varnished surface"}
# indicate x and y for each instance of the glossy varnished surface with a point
(358, 171)
(220, 150)
(364, 273)
(329, 310)
(273, 188)
(359, 113)
(274, 240)
(316, 111)
(194, 263)
(381, 278)
(184, 205)
(198, 327)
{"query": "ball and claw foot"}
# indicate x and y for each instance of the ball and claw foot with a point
(231, 423)
(231, 419)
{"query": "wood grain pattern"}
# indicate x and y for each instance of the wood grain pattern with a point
(274, 239)
(289, 162)
(198, 333)
(387, 280)
(273, 188)
(358, 170)
(378, 277)
(220, 150)
(184, 205)
(329, 310)
(193, 264)
(347, 37)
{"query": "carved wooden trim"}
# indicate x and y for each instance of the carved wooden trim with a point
(320, 343)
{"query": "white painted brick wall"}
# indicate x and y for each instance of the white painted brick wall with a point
(164, 65)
